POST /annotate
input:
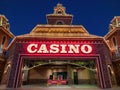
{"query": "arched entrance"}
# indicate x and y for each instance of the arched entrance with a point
(59, 72)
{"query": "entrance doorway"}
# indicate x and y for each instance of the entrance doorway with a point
(59, 72)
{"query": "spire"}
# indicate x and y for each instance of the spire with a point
(4, 22)
(115, 23)
(59, 9)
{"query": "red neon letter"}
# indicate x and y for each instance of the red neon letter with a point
(29, 48)
(86, 49)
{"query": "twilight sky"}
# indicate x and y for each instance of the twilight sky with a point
(94, 15)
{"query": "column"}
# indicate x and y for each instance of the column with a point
(69, 74)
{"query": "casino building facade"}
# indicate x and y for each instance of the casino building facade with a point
(60, 53)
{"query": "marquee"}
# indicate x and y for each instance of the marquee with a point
(59, 48)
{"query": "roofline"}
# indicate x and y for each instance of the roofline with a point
(106, 43)
(115, 18)
(7, 32)
(59, 15)
(57, 26)
(29, 37)
(13, 41)
(111, 32)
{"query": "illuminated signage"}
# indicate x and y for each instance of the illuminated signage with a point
(59, 48)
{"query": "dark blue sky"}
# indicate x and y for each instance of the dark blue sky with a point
(94, 15)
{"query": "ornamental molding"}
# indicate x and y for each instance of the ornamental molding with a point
(59, 29)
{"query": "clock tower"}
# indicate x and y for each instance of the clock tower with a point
(59, 16)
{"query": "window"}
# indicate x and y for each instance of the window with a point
(3, 41)
(0, 21)
(0, 49)
(59, 12)
(114, 42)
(115, 46)
(59, 23)
(1, 46)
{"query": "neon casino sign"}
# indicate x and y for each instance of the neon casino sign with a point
(59, 48)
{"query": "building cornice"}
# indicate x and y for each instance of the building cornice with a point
(58, 29)
(29, 38)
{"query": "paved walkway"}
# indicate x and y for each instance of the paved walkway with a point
(59, 87)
